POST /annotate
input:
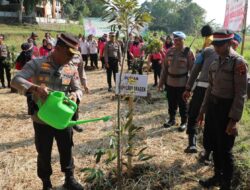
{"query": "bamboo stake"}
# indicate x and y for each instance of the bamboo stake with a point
(244, 29)
(130, 152)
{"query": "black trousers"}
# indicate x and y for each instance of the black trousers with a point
(194, 109)
(5, 68)
(76, 115)
(129, 59)
(175, 100)
(221, 143)
(156, 66)
(85, 59)
(94, 60)
(113, 69)
(44, 136)
(103, 62)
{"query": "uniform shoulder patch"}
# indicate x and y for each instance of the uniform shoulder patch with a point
(240, 67)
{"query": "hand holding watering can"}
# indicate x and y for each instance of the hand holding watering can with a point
(41, 92)
(57, 110)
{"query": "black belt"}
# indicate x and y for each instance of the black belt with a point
(178, 75)
(215, 99)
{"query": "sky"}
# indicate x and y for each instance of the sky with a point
(215, 9)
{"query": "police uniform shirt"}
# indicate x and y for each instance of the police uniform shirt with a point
(112, 49)
(228, 83)
(3, 51)
(201, 67)
(78, 62)
(176, 66)
(44, 71)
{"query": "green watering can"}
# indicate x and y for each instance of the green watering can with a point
(58, 110)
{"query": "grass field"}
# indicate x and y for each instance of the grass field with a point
(18, 157)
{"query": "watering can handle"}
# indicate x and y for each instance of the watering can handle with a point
(72, 103)
(39, 103)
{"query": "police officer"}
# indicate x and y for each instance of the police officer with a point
(78, 62)
(223, 104)
(112, 56)
(178, 62)
(4, 62)
(54, 72)
(200, 71)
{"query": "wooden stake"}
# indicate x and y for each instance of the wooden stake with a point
(244, 29)
(130, 152)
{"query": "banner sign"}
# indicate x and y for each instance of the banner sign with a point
(132, 84)
(96, 26)
(234, 16)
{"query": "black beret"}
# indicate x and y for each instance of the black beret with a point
(206, 30)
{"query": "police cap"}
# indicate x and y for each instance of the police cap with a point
(70, 41)
(179, 34)
(222, 36)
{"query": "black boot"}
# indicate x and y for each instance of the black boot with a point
(47, 184)
(78, 128)
(182, 127)
(170, 123)
(205, 157)
(225, 185)
(72, 184)
(191, 144)
(211, 182)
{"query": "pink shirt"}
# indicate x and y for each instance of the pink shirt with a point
(43, 51)
(135, 50)
(101, 47)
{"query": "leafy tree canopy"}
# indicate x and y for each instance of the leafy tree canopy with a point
(170, 15)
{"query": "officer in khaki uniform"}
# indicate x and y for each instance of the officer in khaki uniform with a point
(178, 62)
(223, 105)
(4, 62)
(78, 62)
(112, 56)
(199, 72)
(56, 73)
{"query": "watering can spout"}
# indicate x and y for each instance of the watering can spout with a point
(72, 123)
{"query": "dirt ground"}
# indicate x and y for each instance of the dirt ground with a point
(171, 168)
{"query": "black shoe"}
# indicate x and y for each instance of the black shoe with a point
(191, 149)
(191, 144)
(170, 123)
(205, 158)
(225, 185)
(47, 184)
(211, 182)
(78, 128)
(72, 184)
(182, 127)
(110, 89)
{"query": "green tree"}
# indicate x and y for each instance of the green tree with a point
(172, 15)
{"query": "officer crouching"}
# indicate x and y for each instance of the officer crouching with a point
(54, 72)
(223, 105)
(178, 62)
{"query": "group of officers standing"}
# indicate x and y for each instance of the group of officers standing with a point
(219, 72)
